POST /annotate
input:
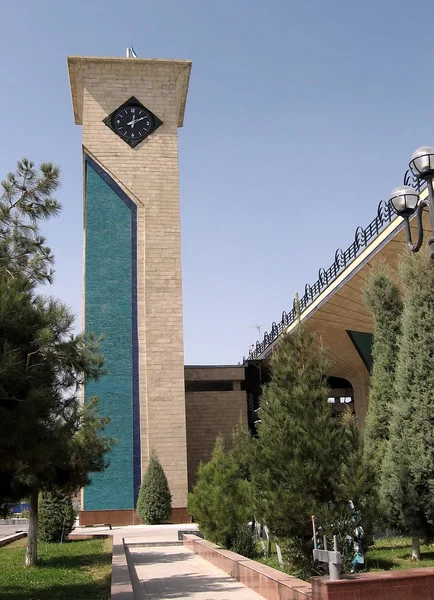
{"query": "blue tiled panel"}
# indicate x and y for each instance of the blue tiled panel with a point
(111, 309)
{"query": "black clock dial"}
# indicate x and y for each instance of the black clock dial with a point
(132, 123)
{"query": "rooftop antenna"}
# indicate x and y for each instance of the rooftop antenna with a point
(131, 53)
(258, 327)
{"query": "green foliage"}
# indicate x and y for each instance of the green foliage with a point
(154, 504)
(407, 482)
(244, 541)
(241, 450)
(306, 461)
(352, 503)
(56, 441)
(297, 457)
(56, 516)
(383, 298)
(42, 364)
(354, 483)
(354, 479)
(25, 200)
(340, 519)
(221, 500)
(47, 439)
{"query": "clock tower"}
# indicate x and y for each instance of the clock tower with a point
(130, 110)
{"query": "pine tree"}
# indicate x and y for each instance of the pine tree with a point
(154, 504)
(221, 501)
(353, 502)
(47, 439)
(383, 298)
(354, 481)
(201, 503)
(242, 448)
(26, 200)
(56, 516)
(408, 474)
(297, 457)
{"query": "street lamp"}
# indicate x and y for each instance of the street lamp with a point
(406, 200)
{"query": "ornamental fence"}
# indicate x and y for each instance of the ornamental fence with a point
(362, 238)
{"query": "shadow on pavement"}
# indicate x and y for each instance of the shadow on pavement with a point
(188, 584)
(153, 557)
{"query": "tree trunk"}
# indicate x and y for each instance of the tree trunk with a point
(32, 540)
(415, 548)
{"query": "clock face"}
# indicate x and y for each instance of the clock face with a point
(132, 122)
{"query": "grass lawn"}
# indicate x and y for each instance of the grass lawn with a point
(395, 553)
(79, 570)
(386, 554)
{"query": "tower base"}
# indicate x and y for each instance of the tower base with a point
(125, 517)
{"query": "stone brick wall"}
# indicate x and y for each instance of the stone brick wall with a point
(209, 414)
(148, 174)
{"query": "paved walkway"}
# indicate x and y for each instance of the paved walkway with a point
(7, 528)
(175, 572)
(172, 571)
(139, 533)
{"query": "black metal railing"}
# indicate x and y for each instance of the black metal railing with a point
(363, 237)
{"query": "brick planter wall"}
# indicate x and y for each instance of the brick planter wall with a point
(409, 584)
(269, 583)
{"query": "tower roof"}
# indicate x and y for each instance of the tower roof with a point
(80, 66)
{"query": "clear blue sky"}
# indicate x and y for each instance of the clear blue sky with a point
(301, 117)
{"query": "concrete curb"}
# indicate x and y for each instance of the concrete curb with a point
(12, 538)
(123, 572)
(139, 544)
(134, 578)
(17, 521)
(90, 536)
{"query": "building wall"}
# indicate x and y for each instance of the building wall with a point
(148, 175)
(211, 413)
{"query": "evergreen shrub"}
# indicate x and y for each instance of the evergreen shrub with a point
(407, 478)
(297, 457)
(154, 504)
(221, 500)
(56, 516)
(384, 299)
(244, 541)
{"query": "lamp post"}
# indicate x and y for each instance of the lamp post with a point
(406, 200)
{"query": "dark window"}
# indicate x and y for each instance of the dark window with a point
(363, 344)
(208, 386)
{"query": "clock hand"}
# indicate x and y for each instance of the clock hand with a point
(132, 123)
(141, 119)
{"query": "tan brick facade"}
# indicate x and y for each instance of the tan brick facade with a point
(149, 176)
(211, 413)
